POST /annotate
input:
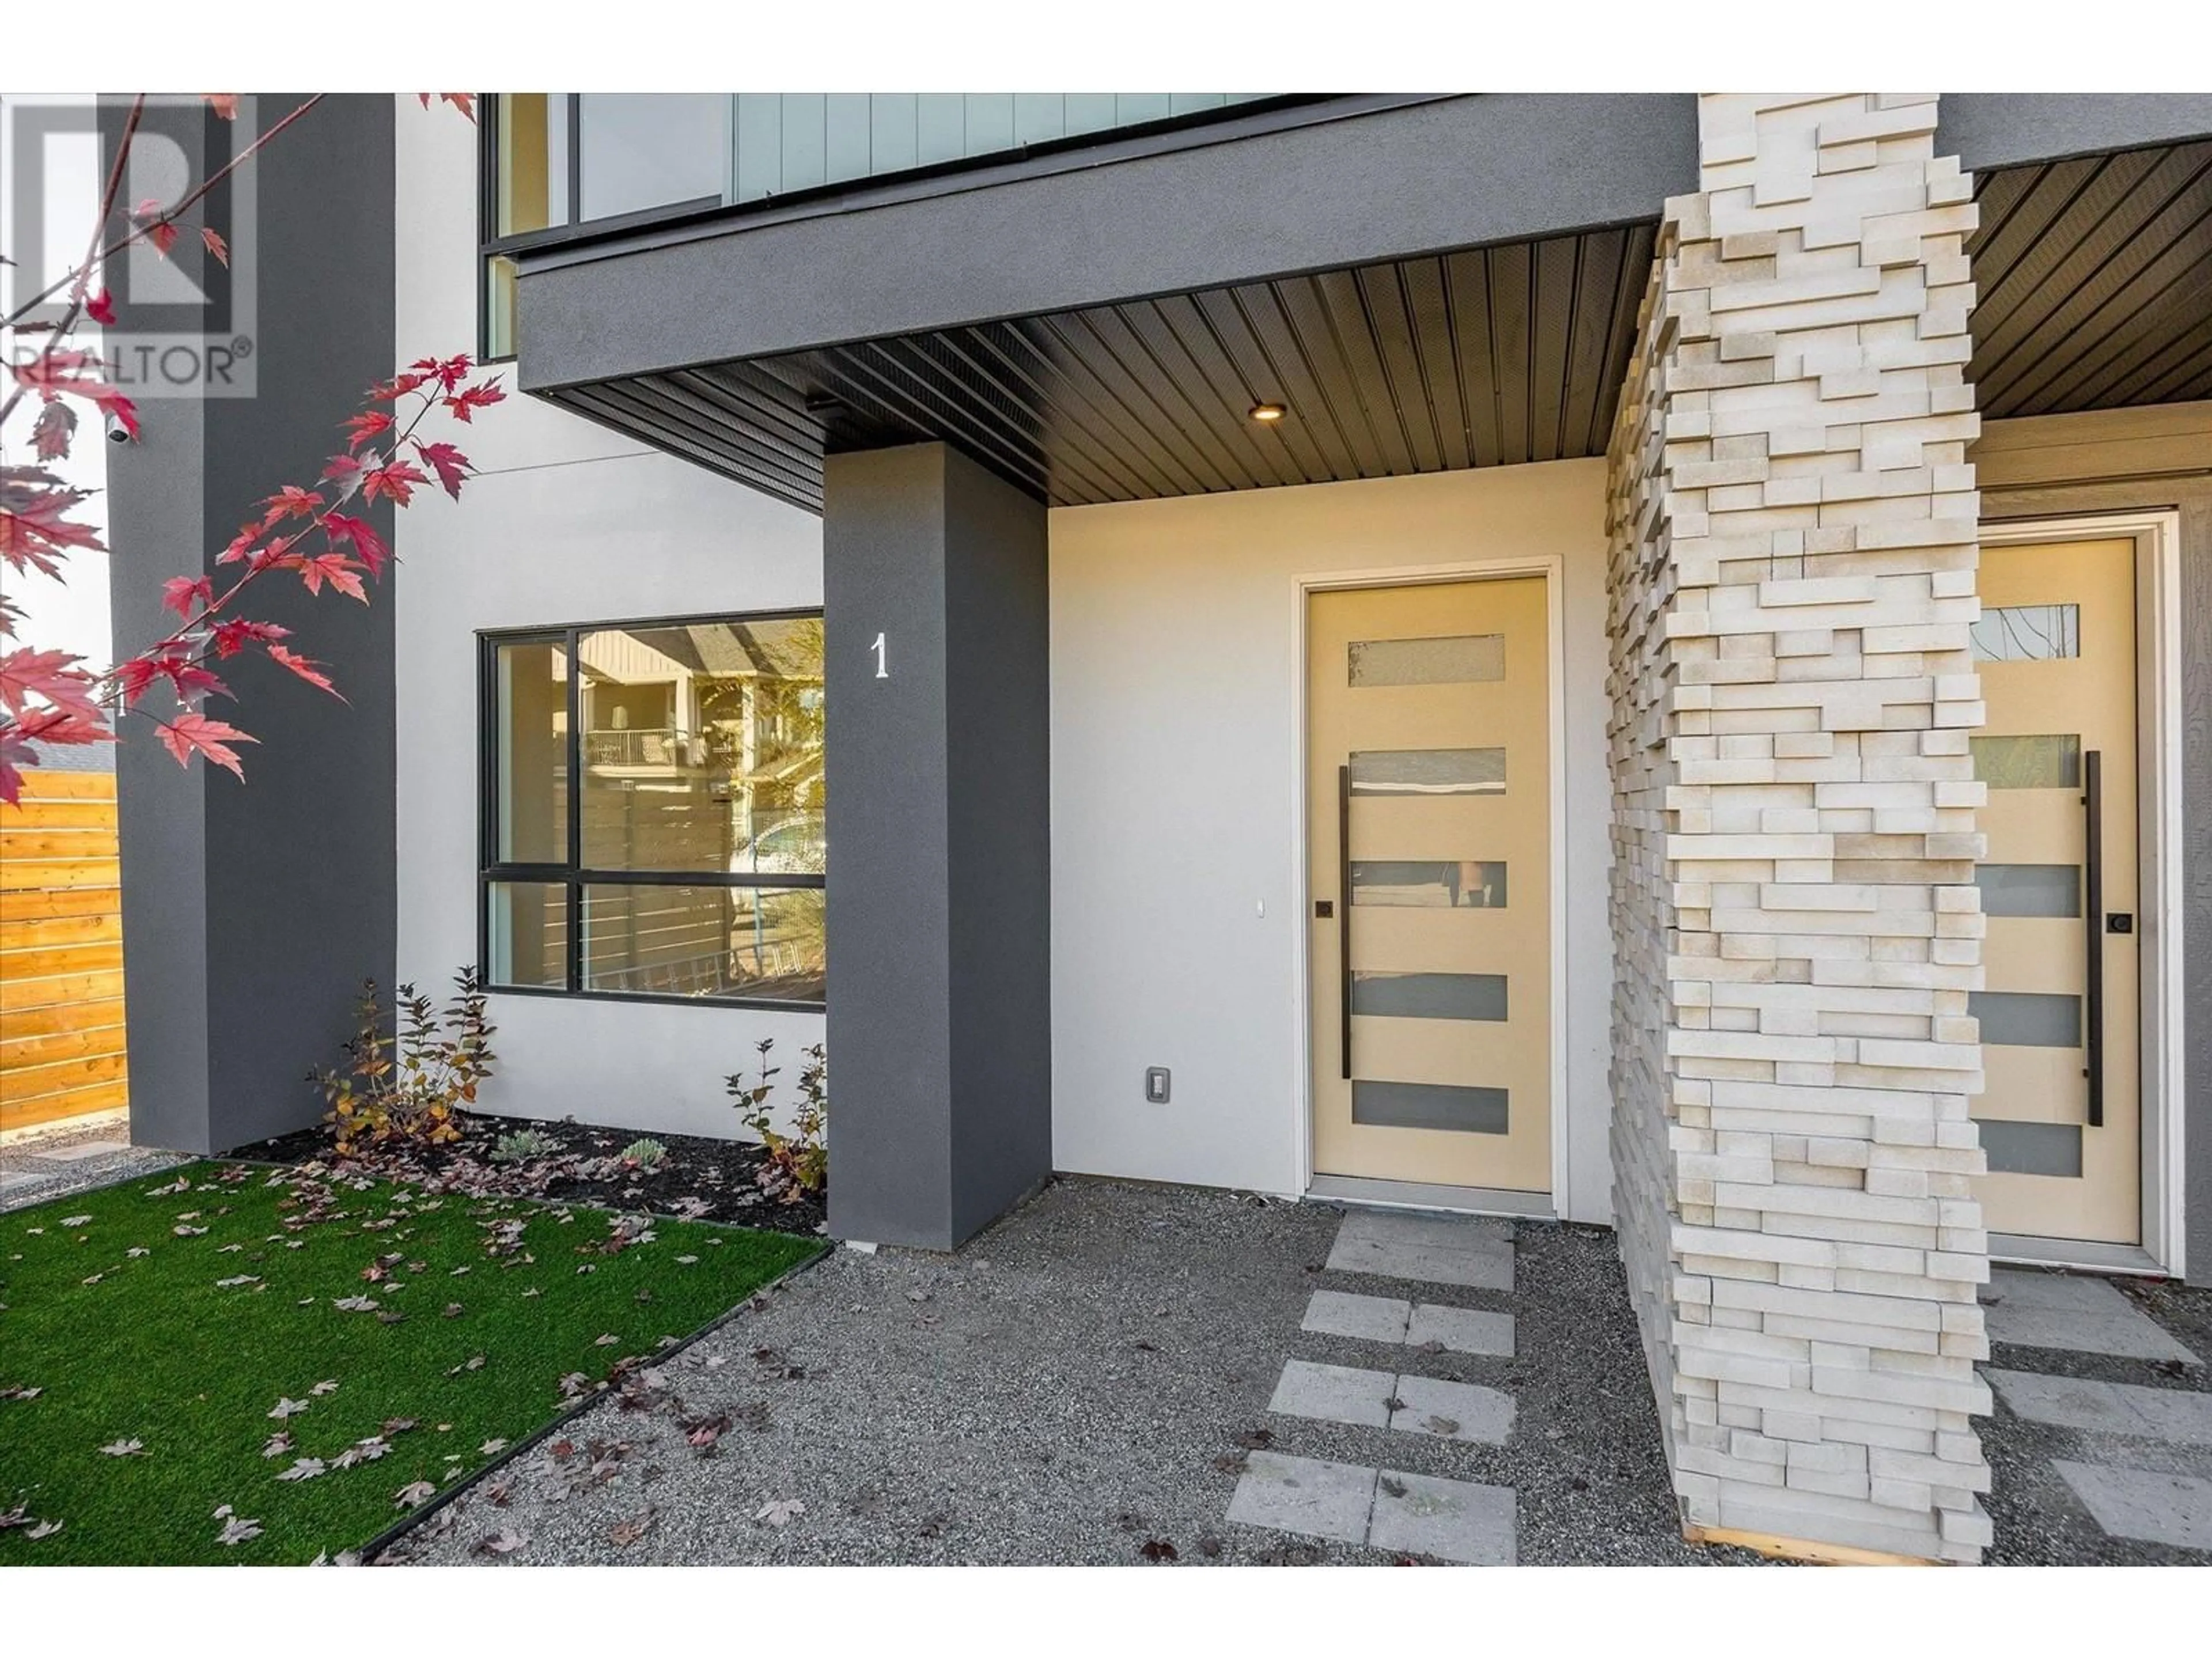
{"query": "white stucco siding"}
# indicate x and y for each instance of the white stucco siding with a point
(1175, 787)
(565, 522)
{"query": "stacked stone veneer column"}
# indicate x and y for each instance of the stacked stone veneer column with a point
(1794, 544)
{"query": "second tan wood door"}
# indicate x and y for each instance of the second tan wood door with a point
(2061, 1114)
(1429, 825)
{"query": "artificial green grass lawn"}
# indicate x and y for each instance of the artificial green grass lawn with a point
(149, 1346)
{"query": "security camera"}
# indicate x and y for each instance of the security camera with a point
(117, 432)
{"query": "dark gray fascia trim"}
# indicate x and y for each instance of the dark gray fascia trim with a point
(579, 243)
(1987, 130)
(1434, 174)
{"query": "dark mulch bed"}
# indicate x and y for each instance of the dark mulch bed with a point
(700, 1179)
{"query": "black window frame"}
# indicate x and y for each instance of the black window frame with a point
(572, 875)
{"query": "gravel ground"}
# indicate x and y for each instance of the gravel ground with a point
(2039, 1522)
(1071, 1388)
(28, 1153)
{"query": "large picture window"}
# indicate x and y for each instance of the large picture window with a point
(653, 810)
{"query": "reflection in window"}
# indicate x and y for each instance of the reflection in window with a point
(697, 753)
(1428, 772)
(651, 150)
(1449, 885)
(667, 940)
(2027, 633)
(2047, 760)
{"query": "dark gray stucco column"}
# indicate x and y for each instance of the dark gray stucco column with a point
(252, 911)
(939, 996)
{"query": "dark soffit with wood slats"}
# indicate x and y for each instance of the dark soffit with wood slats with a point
(2093, 283)
(1487, 357)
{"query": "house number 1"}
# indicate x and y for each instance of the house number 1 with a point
(881, 672)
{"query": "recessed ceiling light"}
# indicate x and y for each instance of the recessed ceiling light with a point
(1268, 411)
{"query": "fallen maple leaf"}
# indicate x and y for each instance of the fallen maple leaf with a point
(492, 1447)
(305, 1468)
(286, 1408)
(504, 1542)
(780, 1511)
(1157, 1549)
(232, 1283)
(45, 1530)
(124, 1448)
(328, 1385)
(237, 1530)
(414, 1494)
(74, 1220)
(356, 1303)
(623, 1533)
(279, 1444)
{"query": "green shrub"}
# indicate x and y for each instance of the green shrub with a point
(407, 1085)
(798, 1162)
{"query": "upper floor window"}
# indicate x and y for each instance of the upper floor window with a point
(553, 160)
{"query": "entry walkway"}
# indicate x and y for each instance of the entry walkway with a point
(2102, 1444)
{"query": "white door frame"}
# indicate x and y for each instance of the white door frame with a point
(1552, 568)
(2157, 537)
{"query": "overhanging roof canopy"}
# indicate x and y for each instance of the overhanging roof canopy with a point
(1485, 357)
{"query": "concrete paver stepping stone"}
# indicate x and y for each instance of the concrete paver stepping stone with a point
(1430, 1232)
(1462, 1330)
(2072, 1402)
(1452, 1520)
(2144, 1504)
(1373, 1318)
(1453, 1411)
(1304, 1495)
(84, 1149)
(2069, 1311)
(1457, 1521)
(1334, 1394)
(1473, 1251)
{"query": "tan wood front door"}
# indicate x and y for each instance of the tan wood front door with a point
(1429, 824)
(2061, 1112)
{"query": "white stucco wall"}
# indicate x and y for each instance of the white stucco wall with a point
(565, 522)
(1175, 785)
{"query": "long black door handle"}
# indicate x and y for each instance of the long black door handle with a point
(2092, 910)
(1344, 913)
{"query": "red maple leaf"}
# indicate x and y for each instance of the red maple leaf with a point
(51, 675)
(305, 668)
(162, 233)
(395, 480)
(179, 593)
(480, 396)
(344, 527)
(338, 570)
(224, 104)
(233, 633)
(102, 308)
(447, 371)
(216, 246)
(54, 374)
(34, 530)
(450, 465)
(373, 424)
(397, 386)
(193, 733)
(464, 101)
(51, 432)
(286, 502)
(342, 469)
